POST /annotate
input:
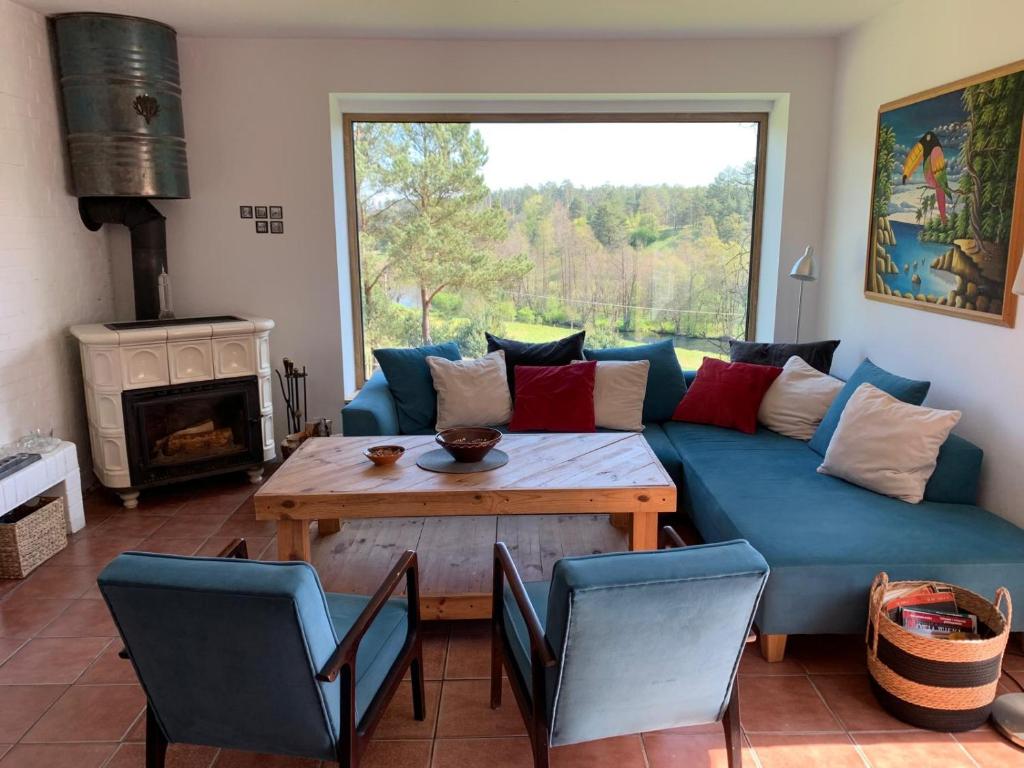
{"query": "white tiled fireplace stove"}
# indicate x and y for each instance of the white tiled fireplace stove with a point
(171, 400)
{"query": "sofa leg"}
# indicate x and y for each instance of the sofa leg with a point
(773, 647)
(327, 527)
(622, 521)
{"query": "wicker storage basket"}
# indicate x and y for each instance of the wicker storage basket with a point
(943, 685)
(32, 540)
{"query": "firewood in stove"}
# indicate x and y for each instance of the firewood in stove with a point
(195, 429)
(186, 442)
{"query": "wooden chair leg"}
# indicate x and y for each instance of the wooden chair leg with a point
(419, 710)
(495, 667)
(156, 742)
(497, 600)
(348, 744)
(540, 750)
(773, 647)
(347, 757)
(731, 724)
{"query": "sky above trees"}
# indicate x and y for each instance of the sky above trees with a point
(617, 154)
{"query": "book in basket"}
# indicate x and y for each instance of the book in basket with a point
(936, 624)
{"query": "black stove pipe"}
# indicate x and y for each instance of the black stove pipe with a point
(149, 243)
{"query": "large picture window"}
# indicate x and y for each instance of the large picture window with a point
(632, 227)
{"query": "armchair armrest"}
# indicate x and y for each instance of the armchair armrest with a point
(372, 411)
(345, 653)
(505, 570)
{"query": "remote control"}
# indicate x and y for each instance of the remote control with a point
(11, 464)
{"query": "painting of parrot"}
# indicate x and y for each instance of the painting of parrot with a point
(929, 151)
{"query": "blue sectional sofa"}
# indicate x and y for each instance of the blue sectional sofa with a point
(824, 539)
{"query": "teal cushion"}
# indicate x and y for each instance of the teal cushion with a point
(519, 638)
(380, 646)
(957, 473)
(411, 384)
(825, 539)
(907, 390)
(665, 383)
(227, 650)
(648, 640)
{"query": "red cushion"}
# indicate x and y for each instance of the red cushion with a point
(554, 398)
(726, 394)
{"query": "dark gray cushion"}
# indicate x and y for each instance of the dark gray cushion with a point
(817, 354)
(559, 352)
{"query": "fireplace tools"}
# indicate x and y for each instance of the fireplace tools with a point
(293, 389)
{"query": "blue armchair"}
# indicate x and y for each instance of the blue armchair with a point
(255, 656)
(628, 642)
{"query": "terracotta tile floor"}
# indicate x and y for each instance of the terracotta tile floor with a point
(68, 701)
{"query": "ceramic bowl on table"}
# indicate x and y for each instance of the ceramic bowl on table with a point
(468, 444)
(383, 455)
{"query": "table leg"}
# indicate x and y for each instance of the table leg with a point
(331, 525)
(293, 540)
(644, 535)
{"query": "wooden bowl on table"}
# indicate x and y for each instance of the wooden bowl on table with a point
(468, 444)
(384, 455)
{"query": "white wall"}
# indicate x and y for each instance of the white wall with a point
(258, 128)
(972, 366)
(53, 271)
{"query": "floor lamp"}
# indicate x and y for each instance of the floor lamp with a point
(804, 271)
(1008, 709)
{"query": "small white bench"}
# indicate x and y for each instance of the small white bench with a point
(55, 474)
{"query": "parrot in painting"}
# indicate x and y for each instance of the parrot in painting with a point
(929, 150)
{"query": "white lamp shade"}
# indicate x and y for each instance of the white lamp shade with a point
(804, 268)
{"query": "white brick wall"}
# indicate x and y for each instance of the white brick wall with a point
(53, 271)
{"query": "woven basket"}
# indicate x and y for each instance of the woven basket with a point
(33, 540)
(943, 685)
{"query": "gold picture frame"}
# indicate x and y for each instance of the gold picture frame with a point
(946, 221)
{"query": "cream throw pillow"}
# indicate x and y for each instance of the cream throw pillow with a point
(471, 393)
(797, 400)
(619, 389)
(886, 445)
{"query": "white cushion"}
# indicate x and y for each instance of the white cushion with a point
(797, 400)
(886, 445)
(619, 389)
(471, 393)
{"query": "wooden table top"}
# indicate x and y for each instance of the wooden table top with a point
(327, 477)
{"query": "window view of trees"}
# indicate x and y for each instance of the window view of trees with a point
(444, 257)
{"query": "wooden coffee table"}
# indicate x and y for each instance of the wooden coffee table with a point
(328, 479)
